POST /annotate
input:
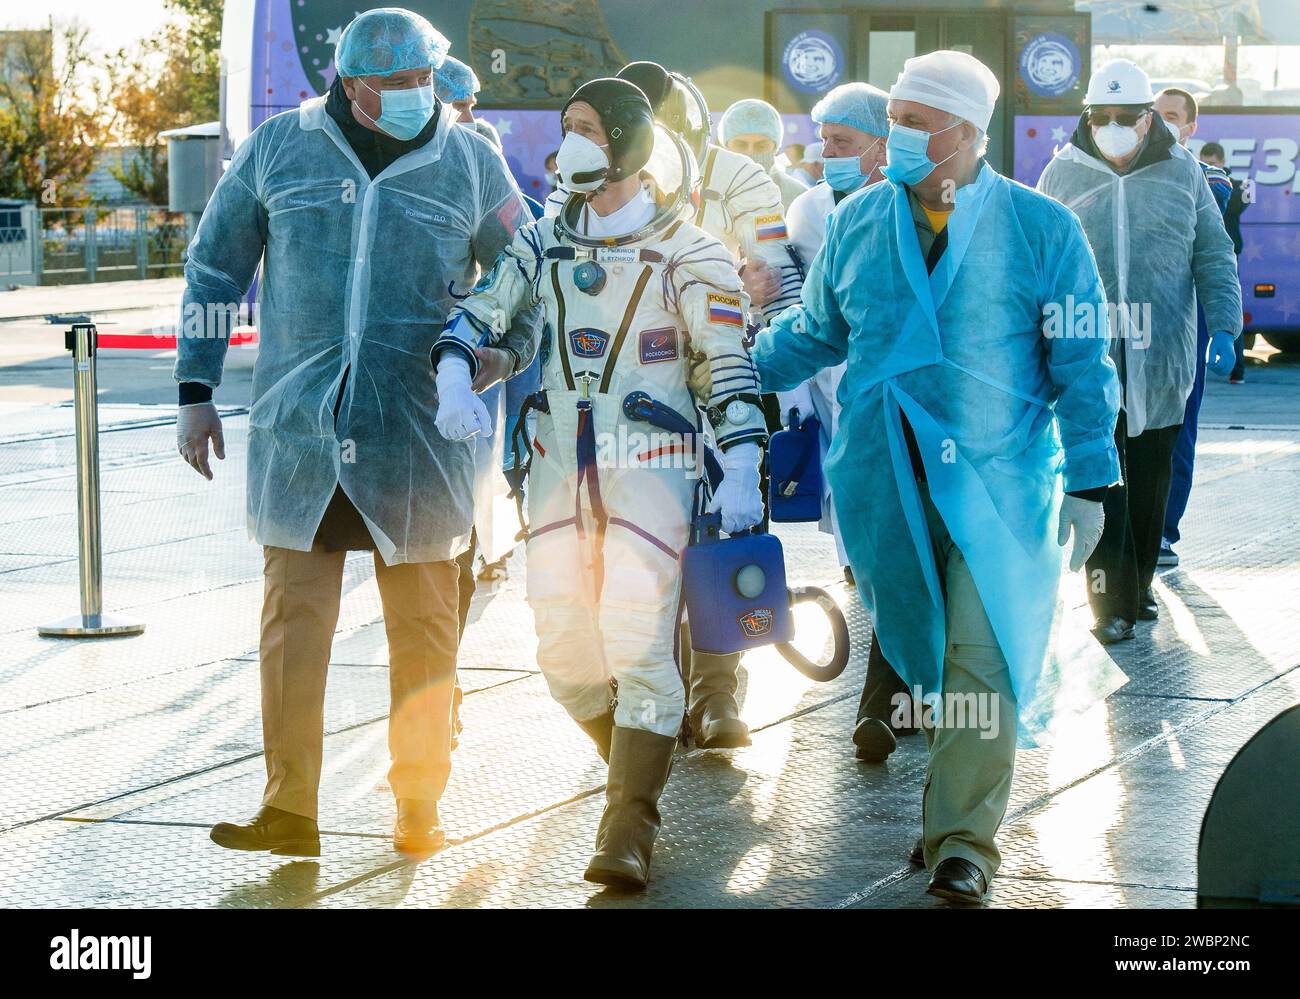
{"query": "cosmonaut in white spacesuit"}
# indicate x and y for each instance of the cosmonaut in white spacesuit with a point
(738, 203)
(629, 288)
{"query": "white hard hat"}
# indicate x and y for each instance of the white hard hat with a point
(1119, 82)
(951, 81)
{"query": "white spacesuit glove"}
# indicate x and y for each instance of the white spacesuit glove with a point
(798, 398)
(1087, 519)
(196, 424)
(738, 499)
(461, 413)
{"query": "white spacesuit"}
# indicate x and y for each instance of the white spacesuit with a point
(736, 202)
(609, 504)
(634, 296)
(739, 205)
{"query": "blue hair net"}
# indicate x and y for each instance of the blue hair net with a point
(751, 117)
(858, 105)
(387, 41)
(455, 81)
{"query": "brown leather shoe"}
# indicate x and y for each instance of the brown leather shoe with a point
(272, 829)
(418, 828)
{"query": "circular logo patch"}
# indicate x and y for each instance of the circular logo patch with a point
(1049, 64)
(813, 61)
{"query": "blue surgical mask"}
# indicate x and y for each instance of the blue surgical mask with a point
(844, 173)
(908, 152)
(404, 112)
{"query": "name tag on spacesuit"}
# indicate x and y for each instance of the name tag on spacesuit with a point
(617, 255)
(658, 345)
(725, 310)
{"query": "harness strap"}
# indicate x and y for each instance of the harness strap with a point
(628, 314)
(589, 474)
(517, 474)
(561, 336)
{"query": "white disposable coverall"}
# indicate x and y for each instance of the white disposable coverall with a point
(605, 540)
(357, 279)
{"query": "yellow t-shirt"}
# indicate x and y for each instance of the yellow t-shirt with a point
(937, 219)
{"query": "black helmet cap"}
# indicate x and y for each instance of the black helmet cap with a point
(628, 119)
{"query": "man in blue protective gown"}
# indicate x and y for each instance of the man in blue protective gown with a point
(972, 319)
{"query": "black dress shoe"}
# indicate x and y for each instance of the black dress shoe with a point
(1148, 609)
(282, 833)
(418, 828)
(917, 855)
(1110, 630)
(874, 739)
(956, 879)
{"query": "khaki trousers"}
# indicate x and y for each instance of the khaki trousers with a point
(968, 781)
(300, 611)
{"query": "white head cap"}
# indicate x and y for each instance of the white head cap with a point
(1119, 82)
(950, 81)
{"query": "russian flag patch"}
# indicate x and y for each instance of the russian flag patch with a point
(770, 227)
(725, 310)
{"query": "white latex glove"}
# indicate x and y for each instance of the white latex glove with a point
(761, 282)
(738, 499)
(461, 414)
(1086, 519)
(195, 424)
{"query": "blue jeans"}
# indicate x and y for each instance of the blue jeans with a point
(1180, 482)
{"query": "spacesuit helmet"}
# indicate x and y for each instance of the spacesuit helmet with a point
(628, 121)
(669, 176)
(676, 101)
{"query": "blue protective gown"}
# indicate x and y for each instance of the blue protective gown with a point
(993, 402)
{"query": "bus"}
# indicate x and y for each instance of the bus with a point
(1239, 57)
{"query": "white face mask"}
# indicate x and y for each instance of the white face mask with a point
(1116, 140)
(581, 163)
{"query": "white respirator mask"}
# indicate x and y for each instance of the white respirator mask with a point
(1115, 140)
(583, 164)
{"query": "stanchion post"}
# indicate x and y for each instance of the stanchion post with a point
(92, 622)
